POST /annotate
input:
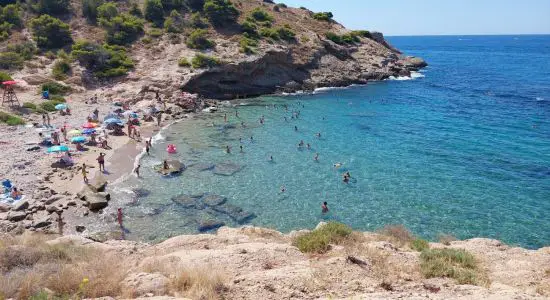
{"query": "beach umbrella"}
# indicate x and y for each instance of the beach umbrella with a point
(75, 132)
(78, 139)
(56, 149)
(89, 125)
(61, 106)
(88, 131)
(113, 121)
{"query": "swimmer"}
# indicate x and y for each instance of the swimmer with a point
(237, 113)
(251, 138)
(324, 207)
(318, 134)
(227, 149)
(241, 140)
(316, 157)
(165, 164)
(286, 119)
(301, 144)
(242, 124)
(242, 149)
(346, 179)
(295, 128)
(283, 188)
(308, 146)
(271, 158)
(225, 118)
(337, 165)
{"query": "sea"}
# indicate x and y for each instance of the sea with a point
(460, 148)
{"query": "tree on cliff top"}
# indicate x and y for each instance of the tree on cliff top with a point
(220, 12)
(49, 32)
(154, 12)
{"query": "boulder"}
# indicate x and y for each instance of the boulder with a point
(213, 200)
(206, 225)
(80, 228)
(227, 169)
(104, 236)
(4, 207)
(16, 216)
(52, 199)
(35, 79)
(42, 222)
(52, 208)
(97, 201)
(20, 205)
(98, 185)
(146, 283)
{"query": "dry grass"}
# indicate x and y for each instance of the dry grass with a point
(397, 235)
(199, 282)
(28, 265)
(446, 239)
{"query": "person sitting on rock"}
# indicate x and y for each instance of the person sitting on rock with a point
(165, 165)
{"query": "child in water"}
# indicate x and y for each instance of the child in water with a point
(324, 207)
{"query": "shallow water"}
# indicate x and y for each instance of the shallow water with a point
(464, 150)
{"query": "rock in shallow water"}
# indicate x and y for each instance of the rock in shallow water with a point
(213, 200)
(206, 225)
(234, 212)
(141, 192)
(188, 201)
(227, 169)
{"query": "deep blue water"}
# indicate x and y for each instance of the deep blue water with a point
(464, 150)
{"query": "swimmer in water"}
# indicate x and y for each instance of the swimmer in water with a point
(227, 149)
(301, 144)
(242, 149)
(241, 140)
(271, 158)
(242, 124)
(295, 128)
(316, 157)
(318, 134)
(324, 207)
(308, 146)
(225, 118)
(337, 165)
(237, 113)
(286, 119)
(283, 188)
(251, 138)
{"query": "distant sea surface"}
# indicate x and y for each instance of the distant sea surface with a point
(462, 148)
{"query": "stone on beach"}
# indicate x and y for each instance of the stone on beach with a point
(20, 205)
(98, 184)
(97, 201)
(16, 216)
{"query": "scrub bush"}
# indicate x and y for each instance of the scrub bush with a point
(204, 61)
(197, 40)
(220, 12)
(50, 33)
(319, 240)
(103, 60)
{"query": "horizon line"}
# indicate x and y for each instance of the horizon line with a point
(469, 34)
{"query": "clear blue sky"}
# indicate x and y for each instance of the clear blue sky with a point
(435, 17)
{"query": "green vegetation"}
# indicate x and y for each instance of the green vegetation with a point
(154, 12)
(48, 105)
(122, 29)
(261, 15)
(453, 263)
(247, 45)
(135, 10)
(250, 28)
(5, 77)
(50, 33)
(220, 12)
(195, 5)
(51, 7)
(155, 32)
(174, 23)
(169, 5)
(420, 245)
(11, 120)
(61, 69)
(10, 60)
(104, 61)
(348, 38)
(55, 88)
(279, 33)
(323, 16)
(319, 240)
(29, 105)
(204, 61)
(197, 40)
(197, 21)
(26, 49)
(107, 11)
(10, 17)
(89, 9)
(184, 62)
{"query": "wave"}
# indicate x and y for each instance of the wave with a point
(414, 75)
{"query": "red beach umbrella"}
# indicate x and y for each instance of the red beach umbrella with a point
(89, 125)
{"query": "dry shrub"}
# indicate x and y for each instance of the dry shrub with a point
(446, 239)
(543, 289)
(30, 265)
(397, 234)
(199, 282)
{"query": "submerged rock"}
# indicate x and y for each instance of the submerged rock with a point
(227, 169)
(188, 201)
(206, 225)
(203, 166)
(234, 212)
(213, 200)
(141, 192)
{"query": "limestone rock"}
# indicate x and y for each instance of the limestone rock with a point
(20, 205)
(16, 216)
(98, 185)
(4, 207)
(96, 201)
(145, 283)
(42, 222)
(206, 225)
(213, 200)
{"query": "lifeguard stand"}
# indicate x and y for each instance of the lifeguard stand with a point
(9, 96)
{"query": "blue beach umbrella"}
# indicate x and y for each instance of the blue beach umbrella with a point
(113, 121)
(78, 139)
(88, 131)
(56, 149)
(61, 106)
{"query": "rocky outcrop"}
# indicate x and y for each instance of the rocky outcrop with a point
(293, 68)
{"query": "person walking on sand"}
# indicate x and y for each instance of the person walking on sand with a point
(159, 118)
(324, 207)
(136, 170)
(101, 162)
(84, 173)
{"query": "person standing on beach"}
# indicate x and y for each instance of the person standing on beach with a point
(48, 119)
(84, 173)
(159, 118)
(101, 162)
(44, 119)
(60, 221)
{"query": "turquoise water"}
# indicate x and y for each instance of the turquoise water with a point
(464, 150)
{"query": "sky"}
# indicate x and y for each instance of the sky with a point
(437, 17)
